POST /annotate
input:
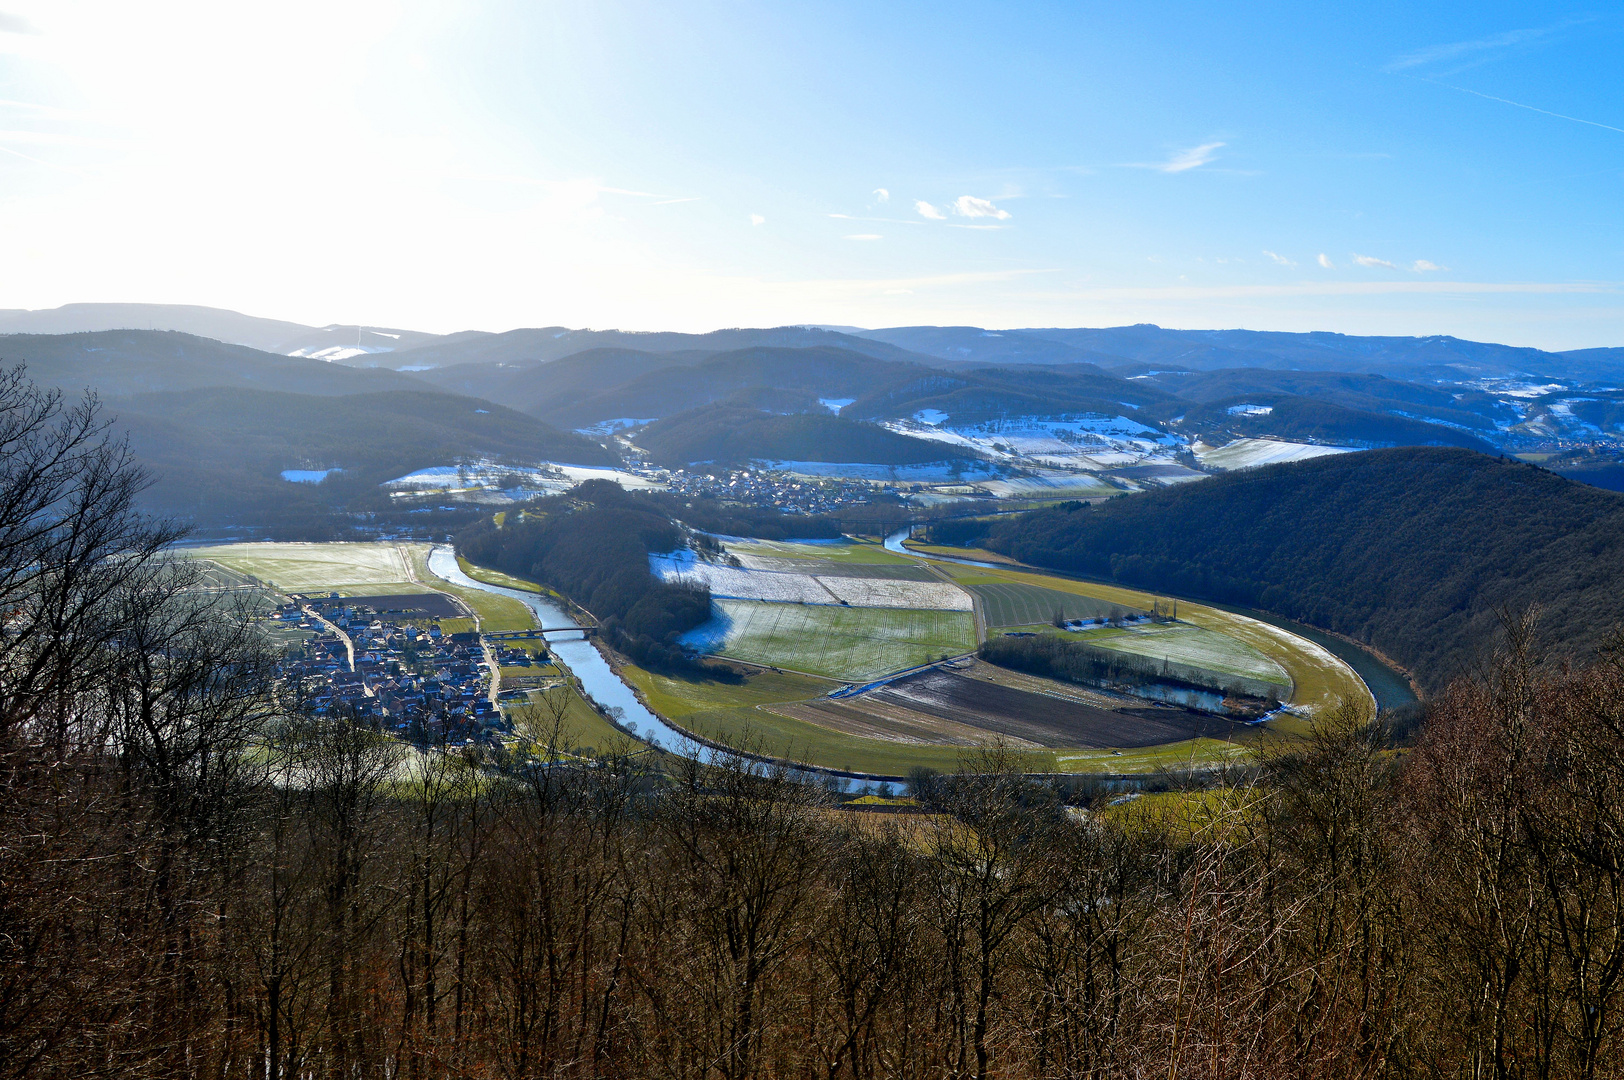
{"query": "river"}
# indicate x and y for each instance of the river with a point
(598, 680)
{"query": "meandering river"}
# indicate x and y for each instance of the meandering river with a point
(598, 680)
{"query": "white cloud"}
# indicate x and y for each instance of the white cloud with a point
(1281, 259)
(882, 195)
(972, 207)
(1325, 261)
(1460, 50)
(928, 211)
(1185, 160)
(1422, 266)
(757, 219)
(865, 236)
(15, 24)
(1372, 261)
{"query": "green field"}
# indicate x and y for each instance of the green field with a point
(1319, 680)
(853, 644)
(583, 730)
(1182, 644)
(732, 714)
(1006, 603)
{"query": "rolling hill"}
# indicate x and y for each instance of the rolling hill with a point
(217, 453)
(1305, 419)
(1409, 550)
(548, 343)
(732, 435)
(267, 335)
(124, 362)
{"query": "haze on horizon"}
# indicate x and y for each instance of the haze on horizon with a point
(1387, 170)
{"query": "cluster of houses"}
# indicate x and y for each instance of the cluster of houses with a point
(758, 488)
(406, 677)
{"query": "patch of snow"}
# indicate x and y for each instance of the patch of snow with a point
(307, 476)
(482, 410)
(1250, 410)
(933, 417)
(788, 587)
(609, 427)
(1245, 453)
(419, 367)
(835, 404)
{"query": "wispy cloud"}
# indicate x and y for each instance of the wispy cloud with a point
(971, 207)
(926, 210)
(1530, 108)
(882, 195)
(1424, 266)
(1372, 261)
(1476, 50)
(757, 219)
(1184, 160)
(865, 236)
(1325, 261)
(1281, 259)
(15, 24)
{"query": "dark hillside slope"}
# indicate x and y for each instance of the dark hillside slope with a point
(1320, 421)
(667, 391)
(730, 435)
(119, 362)
(218, 453)
(553, 342)
(1410, 550)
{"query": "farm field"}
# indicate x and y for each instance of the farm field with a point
(1319, 680)
(745, 716)
(904, 711)
(1245, 453)
(852, 644)
(1008, 603)
(840, 551)
(1206, 649)
(350, 569)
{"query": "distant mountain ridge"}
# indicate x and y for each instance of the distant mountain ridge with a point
(1142, 346)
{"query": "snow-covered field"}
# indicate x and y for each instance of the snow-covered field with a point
(1245, 453)
(546, 477)
(784, 587)
(307, 476)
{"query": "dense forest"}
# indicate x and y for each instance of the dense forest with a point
(1305, 419)
(734, 436)
(1413, 551)
(197, 880)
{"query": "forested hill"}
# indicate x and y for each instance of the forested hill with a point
(732, 436)
(1411, 550)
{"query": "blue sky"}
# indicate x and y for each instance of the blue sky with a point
(1367, 169)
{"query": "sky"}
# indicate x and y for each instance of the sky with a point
(1372, 168)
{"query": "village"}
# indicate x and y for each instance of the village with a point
(387, 661)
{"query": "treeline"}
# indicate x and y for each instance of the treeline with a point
(198, 881)
(1411, 550)
(1053, 657)
(592, 545)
